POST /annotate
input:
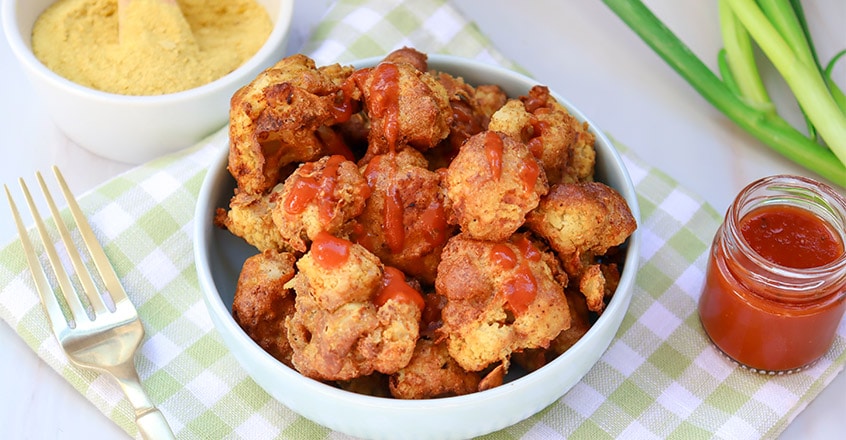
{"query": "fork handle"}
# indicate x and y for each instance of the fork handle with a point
(153, 425)
(150, 421)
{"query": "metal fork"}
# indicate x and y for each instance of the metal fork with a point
(104, 334)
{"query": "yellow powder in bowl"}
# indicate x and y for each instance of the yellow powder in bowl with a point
(157, 51)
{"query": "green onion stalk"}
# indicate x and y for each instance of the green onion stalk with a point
(779, 29)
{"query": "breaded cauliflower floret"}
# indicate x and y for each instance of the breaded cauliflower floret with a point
(432, 373)
(406, 107)
(404, 221)
(249, 217)
(581, 222)
(355, 278)
(338, 331)
(491, 185)
(276, 118)
(262, 302)
(472, 108)
(583, 217)
(501, 298)
(319, 196)
(564, 146)
(580, 322)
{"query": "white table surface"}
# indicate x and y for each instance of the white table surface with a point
(578, 48)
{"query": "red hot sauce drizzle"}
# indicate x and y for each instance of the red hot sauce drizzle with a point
(320, 188)
(329, 251)
(393, 211)
(343, 106)
(493, 153)
(434, 224)
(529, 172)
(384, 101)
(394, 224)
(394, 287)
(520, 287)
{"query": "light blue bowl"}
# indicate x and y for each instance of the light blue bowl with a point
(219, 256)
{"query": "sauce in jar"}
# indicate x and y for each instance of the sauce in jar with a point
(775, 287)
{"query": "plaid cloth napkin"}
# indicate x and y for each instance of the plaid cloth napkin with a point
(660, 378)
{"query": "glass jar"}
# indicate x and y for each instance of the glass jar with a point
(775, 286)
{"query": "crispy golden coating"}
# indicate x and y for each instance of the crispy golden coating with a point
(319, 196)
(492, 184)
(405, 107)
(250, 217)
(409, 55)
(472, 108)
(563, 145)
(274, 120)
(356, 279)
(404, 222)
(596, 280)
(582, 221)
(501, 298)
(584, 217)
(580, 322)
(262, 302)
(337, 332)
(432, 373)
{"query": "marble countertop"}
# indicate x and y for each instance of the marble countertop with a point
(579, 49)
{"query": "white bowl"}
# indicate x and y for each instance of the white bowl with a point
(219, 256)
(134, 129)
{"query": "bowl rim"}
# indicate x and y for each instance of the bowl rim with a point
(202, 241)
(23, 52)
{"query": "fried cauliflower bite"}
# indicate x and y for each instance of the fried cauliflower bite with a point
(276, 119)
(597, 278)
(409, 55)
(319, 196)
(405, 107)
(491, 185)
(501, 298)
(582, 217)
(471, 112)
(564, 146)
(345, 324)
(262, 302)
(581, 222)
(432, 373)
(250, 217)
(404, 221)
(580, 322)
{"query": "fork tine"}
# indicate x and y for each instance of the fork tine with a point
(48, 299)
(51, 304)
(104, 267)
(82, 272)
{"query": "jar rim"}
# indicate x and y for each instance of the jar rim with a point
(816, 197)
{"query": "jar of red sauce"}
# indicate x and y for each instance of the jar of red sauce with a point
(775, 286)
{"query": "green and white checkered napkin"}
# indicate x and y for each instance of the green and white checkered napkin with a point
(659, 378)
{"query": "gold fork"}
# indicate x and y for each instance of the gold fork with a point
(104, 334)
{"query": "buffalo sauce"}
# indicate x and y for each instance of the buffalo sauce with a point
(329, 251)
(520, 286)
(310, 187)
(775, 286)
(394, 287)
(493, 153)
(384, 101)
(434, 224)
